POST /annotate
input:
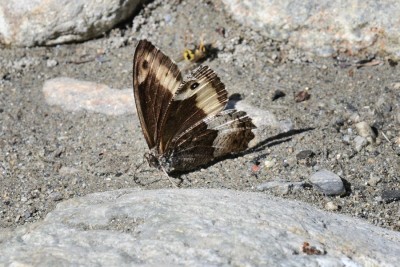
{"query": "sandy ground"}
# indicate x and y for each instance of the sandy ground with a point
(49, 155)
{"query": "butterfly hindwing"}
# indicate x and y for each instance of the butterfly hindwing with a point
(229, 131)
(155, 80)
(201, 96)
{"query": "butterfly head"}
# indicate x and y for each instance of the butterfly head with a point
(152, 160)
(158, 161)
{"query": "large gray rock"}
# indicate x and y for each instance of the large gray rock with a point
(49, 22)
(196, 228)
(325, 27)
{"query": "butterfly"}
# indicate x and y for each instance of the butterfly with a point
(183, 120)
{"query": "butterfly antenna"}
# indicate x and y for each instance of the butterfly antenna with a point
(135, 178)
(140, 165)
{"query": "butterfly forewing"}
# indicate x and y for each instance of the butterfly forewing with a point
(155, 80)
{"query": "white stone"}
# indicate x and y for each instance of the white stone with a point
(331, 206)
(75, 95)
(50, 22)
(51, 63)
(195, 228)
(269, 163)
(366, 131)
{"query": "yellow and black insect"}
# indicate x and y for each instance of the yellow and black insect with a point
(197, 53)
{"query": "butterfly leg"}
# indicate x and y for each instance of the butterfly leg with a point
(169, 178)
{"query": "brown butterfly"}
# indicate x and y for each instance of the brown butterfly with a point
(184, 121)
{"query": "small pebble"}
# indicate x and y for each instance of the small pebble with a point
(350, 131)
(51, 63)
(331, 206)
(337, 123)
(285, 163)
(355, 117)
(373, 181)
(390, 195)
(277, 94)
(27, 214)
(302, 96)
(366, 131)
(269, 163)
(383, 105)
(56, 196)
(396, 146)
(346, 139)
(221, 31)
(255, 168)
(281, 187)
(304, 154)
(305, 157)
(328, 183)
(397, 140)
(359, 143)
(396, 85)
(286, 125)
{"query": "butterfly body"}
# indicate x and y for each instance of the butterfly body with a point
(184, 121)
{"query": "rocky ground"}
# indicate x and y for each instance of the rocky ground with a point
(49, 154)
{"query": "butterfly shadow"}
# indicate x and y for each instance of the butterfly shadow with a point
(260, 146)
(277, 139)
